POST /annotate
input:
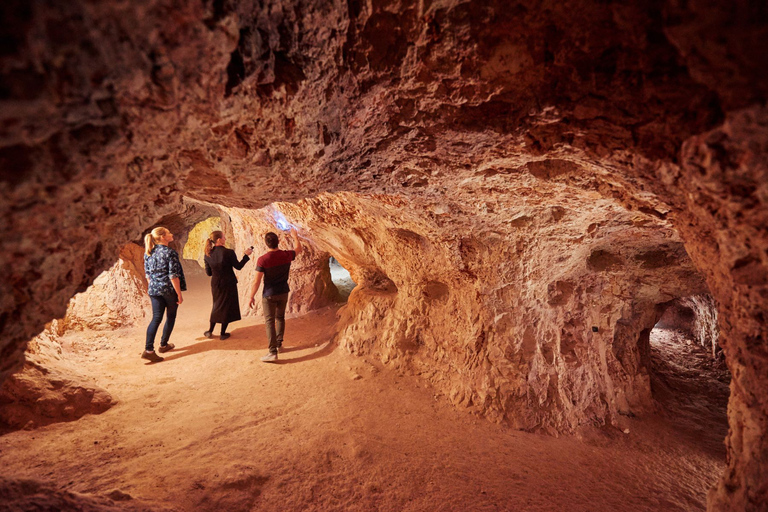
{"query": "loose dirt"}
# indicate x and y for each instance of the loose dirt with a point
(212, 428)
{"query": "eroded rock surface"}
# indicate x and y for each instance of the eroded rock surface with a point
(513, 177)
(117, 297)
(48, 389)
(26, 494)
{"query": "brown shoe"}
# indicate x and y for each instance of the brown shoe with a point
(166, 348)
(152, 357)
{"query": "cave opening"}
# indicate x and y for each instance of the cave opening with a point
(689, 378)
(341, 279)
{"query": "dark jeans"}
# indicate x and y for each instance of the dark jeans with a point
(159, 305)
(274, 316)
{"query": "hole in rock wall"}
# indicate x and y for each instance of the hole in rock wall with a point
(341, 278)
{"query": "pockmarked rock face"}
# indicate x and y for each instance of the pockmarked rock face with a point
(117, 297)
(544, 316)
(515, 187)
(48, 389)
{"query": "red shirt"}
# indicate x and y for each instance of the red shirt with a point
(275, 265)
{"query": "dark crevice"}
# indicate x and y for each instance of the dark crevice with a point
(235, 72)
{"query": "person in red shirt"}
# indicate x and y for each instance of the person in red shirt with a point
(273, 267)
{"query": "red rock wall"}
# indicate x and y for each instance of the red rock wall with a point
(515, 314)
(481, 126)
(117, 298)
(704, 326)
(726, 176)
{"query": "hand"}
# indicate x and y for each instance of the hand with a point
(181, 299)
(252, 303)
(248, 251)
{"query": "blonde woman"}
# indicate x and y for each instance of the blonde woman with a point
(166, 282)
(220, 264)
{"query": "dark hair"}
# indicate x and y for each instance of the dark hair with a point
(271, 240)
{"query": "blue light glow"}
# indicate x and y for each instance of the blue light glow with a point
(280, 221)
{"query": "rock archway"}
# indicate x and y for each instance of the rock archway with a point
(564, 168)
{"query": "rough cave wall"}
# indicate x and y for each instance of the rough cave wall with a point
(117, 298)
(678, 315)
(502, 320)
(194, 249)
(704, 327)
(310, 278)
(112, 111)
(48, 388)
(725, 172)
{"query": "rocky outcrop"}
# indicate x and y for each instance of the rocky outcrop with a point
(117, 297)
(542, 319)
(48, 389)
(553, 162)
(20, 495)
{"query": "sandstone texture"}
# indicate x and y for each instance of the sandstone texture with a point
(48, 389)
(117, 297)
(26, 494)
(518, 189)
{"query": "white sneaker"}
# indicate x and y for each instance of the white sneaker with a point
(269, 357)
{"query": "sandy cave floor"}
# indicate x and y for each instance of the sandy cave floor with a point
(213, 428)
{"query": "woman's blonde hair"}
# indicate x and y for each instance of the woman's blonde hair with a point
(214, 236)
(150, 241)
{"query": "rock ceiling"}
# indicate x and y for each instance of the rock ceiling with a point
(528, 171)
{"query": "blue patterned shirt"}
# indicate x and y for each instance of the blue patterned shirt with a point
(160, 267)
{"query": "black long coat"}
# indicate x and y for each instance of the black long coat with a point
(220, 266)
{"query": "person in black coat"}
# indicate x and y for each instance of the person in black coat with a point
(220, 263)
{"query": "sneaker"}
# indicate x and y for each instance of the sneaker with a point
(279, 349)
(224, 336)
(269, 357)
(166, 348)
(152, 357)
(208, 334)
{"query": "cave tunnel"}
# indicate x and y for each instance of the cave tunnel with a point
(552, 223)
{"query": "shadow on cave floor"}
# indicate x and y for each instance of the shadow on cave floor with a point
(691, 387)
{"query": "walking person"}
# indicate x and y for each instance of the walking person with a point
(220, 263)
(166, 282)
(273, 267)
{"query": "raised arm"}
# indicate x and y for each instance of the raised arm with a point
(240, 264)
(296, 242)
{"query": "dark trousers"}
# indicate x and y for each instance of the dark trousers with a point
(274, 316)
(159, 305)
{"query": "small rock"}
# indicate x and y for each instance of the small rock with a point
(626, 431)
(118, 495)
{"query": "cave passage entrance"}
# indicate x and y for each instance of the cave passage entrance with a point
(341, 278)
(689, 378)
